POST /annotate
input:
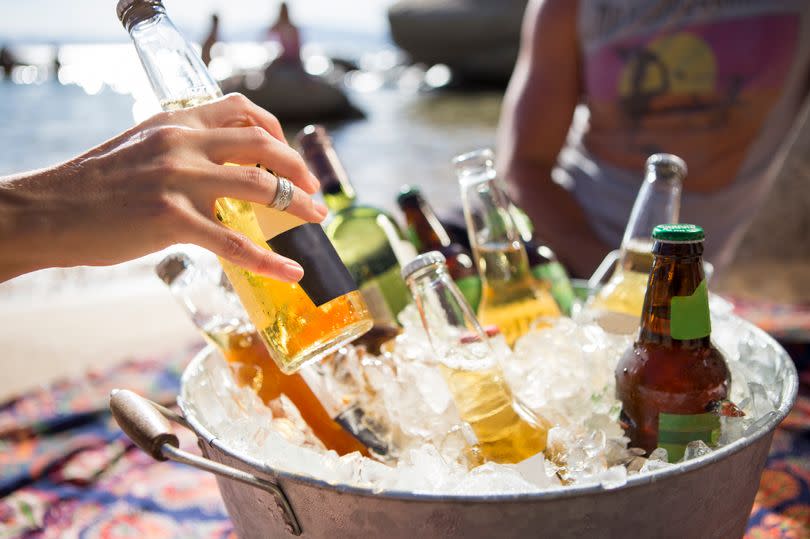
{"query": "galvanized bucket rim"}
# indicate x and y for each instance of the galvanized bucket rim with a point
(789, 394)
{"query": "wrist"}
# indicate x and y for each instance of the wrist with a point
(23, 226)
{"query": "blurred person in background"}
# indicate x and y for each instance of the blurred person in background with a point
(211, 39)
(719, 84)
(286, 34)
(153, 186)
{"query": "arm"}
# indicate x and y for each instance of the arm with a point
(537, 112)
(151, 187)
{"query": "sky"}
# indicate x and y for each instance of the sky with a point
(95, 20)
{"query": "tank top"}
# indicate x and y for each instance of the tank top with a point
(686, 66)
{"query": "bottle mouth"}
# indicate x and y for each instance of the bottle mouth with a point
(475, 163)
(666, 166)
(131, 12)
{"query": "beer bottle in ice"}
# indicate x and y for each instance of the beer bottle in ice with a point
(298, 322)
(617, 306)
(510, 297)
(506, 431)
(427, 233)
(543, 262)
(356, 231)
(672, 378)
(219, 316)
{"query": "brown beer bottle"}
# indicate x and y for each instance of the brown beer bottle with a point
(672, 378)
(427, 233)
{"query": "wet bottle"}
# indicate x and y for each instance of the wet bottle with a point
(356, 231)
(427, 233)
(673, 378)
(298, 322)
(219, 316)
(617, 306)
(511, 298)
(506, 431)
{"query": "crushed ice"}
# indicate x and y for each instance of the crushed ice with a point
(563, 372)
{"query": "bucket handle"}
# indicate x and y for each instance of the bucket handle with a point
(147, 424)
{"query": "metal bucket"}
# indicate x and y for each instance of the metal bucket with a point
(708, 497)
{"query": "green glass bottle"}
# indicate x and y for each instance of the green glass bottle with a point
(356, 231)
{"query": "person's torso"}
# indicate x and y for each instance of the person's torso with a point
(697, 78)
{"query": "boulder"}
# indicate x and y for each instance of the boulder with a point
(478, 39)
(292, 95)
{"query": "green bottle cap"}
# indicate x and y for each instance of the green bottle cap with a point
(678, 233)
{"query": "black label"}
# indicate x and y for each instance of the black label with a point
(355, 422)
(325, 276)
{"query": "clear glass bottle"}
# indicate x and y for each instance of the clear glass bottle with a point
(617, 306)
(510, 298)
(355, 230)
(222, 320)
(428, 234)
(298, 322)
(506, 431)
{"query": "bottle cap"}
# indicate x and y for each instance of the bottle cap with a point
(408, 192)
(171, 267)
(124, 6)
(666, 165)
(422, 261)
(312, 135)
(677, 233)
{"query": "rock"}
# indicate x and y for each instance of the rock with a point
(292, 95)
(478, 39)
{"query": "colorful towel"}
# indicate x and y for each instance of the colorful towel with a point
(66, 470)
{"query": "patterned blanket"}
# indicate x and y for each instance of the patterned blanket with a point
(66, 470)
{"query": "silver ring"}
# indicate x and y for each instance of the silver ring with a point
(284, 194)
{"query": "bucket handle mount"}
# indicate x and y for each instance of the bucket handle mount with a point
(147, 424)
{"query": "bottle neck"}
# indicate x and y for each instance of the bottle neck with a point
(454, 332)
(676, 308)
(211, 307)
(323, 161)
(426, 229)
(175, 70)
(658, 202)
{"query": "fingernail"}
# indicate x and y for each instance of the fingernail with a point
(292, 271)
(320, 209)
(316, 183)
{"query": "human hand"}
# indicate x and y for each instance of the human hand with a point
(152, 186)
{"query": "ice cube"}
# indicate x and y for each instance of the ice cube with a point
(695, 449)
(613, 477)
(653, 465)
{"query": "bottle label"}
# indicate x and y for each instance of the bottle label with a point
(471, 290)
(675, 431)
(325, 276)
(554, 273)
(689, 318)
(354, 420)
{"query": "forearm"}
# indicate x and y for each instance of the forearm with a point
(557, 217)
(21, 224)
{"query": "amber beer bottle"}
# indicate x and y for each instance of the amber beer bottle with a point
(299, 322)
(672, 378)
(427, 233)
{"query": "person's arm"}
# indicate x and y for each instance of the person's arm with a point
(537, 112)
(153, 186)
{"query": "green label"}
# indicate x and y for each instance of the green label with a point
(689, 318)
(675, 431)
(554, 274)
(471, 289)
